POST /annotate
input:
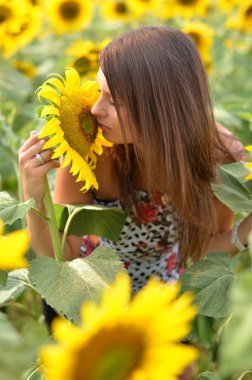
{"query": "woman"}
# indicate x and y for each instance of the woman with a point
(154, 106)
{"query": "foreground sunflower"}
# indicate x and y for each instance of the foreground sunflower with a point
(72, 129)
(123, 340)
(13, 247)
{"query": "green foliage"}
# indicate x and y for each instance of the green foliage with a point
(3, 278)
(66, 286)
(236, 347)
(11, 209)
(208, 376)
(211, 280)
(15, 285)
(91, 219)
(232, 189)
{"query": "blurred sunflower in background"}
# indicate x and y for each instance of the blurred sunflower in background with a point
(122, 339)
(13, 247)
(202, 35)
(185, 8)
(116, 10)
(228, 5)
(69, 15)
(25, 67)
(245, 15)
(142, 7)
(20, 24)
(72, 129)
(85, 55)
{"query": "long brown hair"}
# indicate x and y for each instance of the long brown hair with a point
(156, 73)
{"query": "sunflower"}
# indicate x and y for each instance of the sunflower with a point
(26, 29)
(69, 15)
(85, 56)
(123, 340)
(75, 130)
(13, 247)
(25, 67)
(141, 7)
(116, 10)
(185, 8)
(228, 5)
(202, 36)
(249, 165)
(245, 15)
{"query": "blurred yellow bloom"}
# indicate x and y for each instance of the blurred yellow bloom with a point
(25, 67)
(85, 54)
(72, 129)
(141, 7)
(202, 35)
(245, 15)
(228, 5)
(13, 247)
(116, 10)
(185, 8)
(125, 340)
(249, 165)
(21, 25)
(69, 15)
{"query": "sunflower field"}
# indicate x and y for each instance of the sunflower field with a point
(104, 333)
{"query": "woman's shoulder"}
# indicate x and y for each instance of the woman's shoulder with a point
(232, 144)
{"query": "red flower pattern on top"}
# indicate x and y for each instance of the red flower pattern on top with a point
(146, 213)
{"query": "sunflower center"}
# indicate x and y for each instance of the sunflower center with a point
(120, 8)
(111, 354)
(69, 10)
(187, 2)
(195, 37)
(5, 13)
(78, 124)
(82, 65)
(248, 12)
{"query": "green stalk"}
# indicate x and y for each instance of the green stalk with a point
(53, 224)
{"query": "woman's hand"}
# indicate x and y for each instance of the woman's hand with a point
(33, 172)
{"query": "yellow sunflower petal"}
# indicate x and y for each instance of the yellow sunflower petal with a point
(50, 128)
(49, 94)
(49, 110)
(249, 148)
(56, 139)
(13, 248)
(72, 80)
(57, 83)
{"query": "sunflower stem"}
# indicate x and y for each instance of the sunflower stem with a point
(53, 224)
(67, 225)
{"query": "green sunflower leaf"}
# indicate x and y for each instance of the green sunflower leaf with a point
(15, 285)
(236, 347)
(66, 286)
(211, 280)
(233, 190)
(11, 209)
(3, 278)
(91, 219)
(208, 376)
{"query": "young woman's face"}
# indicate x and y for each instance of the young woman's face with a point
(105, 112)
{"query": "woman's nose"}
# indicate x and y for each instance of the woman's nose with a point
(98, 109)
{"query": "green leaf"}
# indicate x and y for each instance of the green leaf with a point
(92, 219)
(208, 376)
(66, 286)
(211, 280)
(3, 277)
(233, 190)
(15, 285)
(236, 347)
(19, 348)
(11, 209)
(13, 85)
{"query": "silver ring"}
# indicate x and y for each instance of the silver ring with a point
(40, 159)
